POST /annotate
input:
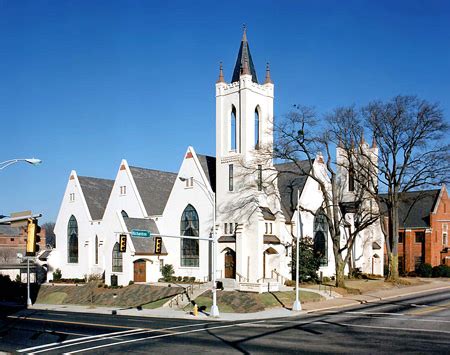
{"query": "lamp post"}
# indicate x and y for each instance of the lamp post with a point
(32, 161)
(297, 305)
(214, 308)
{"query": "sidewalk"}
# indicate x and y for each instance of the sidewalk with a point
(335, 303)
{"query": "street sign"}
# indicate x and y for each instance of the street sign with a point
(140, 233)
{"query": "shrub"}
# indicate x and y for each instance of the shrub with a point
(424, 270)
(289, 283)
(309, 262)
(185, 278)
(179, 278)
(167, 272)
(131, 283)
(57, 275)
(441, 271)
(94, 277)
(192, 279)
(18, 279)
(326, 279)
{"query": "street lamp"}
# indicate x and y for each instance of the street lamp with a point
(32, 161)
(297, 305)
(214, 308)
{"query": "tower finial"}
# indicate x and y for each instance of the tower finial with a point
(244, 35)
(374, 141)
(221, 79)
(362, 138)
(268, 79)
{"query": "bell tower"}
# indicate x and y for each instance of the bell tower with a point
(244, 125)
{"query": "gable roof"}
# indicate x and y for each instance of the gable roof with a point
(291, 178)
(208, 164)
(144, 246)
(154, 187)
(96, 193)
(244, 56)
(415, 208)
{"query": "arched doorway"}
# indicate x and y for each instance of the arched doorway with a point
(230, 264)
(140, 274)
(266, 254)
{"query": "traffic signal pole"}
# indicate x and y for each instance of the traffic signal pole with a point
(28, 284)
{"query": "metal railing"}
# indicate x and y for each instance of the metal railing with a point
(179, 298)
(241, 278)
(279, 277)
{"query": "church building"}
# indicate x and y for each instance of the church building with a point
(228, 196)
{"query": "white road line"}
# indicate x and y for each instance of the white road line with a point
(392, 328)
(80, 341)
(160, 336)
(376, 313)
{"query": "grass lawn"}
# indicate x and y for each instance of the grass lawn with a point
(156, 304)
(53, 298)
(246, 302)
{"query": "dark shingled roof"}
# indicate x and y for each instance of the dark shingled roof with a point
(290, 179)
(208, 164)
(416, 207)
(96, 193)
(141, 224)
(144, 246)
(267, 214)
(10, 231)
(154, 187)
(244, 56)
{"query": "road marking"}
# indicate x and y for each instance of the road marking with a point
(160, 336)
(391, 328)
(75, 340)
(376, 313)
(259, 325)
(114, 335)
(430, 309)
(72, 322)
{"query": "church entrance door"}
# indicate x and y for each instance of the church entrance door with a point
(230, 264)
(139, 271)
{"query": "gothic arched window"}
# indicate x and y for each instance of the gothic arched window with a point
(189, 226)
(233, 130)
(72, 240)
(116, 259)
(96, 250)
(321, 237)
(257, 129)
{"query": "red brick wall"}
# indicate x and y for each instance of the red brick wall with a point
(438, 219)
(431, 249)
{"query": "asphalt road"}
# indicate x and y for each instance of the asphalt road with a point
(419, 324)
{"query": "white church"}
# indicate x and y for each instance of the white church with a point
(255, 230)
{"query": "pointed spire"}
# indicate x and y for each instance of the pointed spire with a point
(221, 79)
(374, 141)
(244, 34)
(245, 69)
(268, 79)
(244, 56)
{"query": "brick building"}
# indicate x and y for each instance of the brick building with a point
(13, 240)
(423, 230)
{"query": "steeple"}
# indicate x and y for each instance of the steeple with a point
(221, 79)
(268, 79)
(244, 60)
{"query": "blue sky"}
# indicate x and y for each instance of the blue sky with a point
(87, 83)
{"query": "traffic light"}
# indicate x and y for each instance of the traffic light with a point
(158, 245)
(33, 237)
(123, 243)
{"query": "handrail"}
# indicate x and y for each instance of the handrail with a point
(241, 277)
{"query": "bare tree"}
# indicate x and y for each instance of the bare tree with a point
(412, 155)
(298, 138)
(50, 238)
